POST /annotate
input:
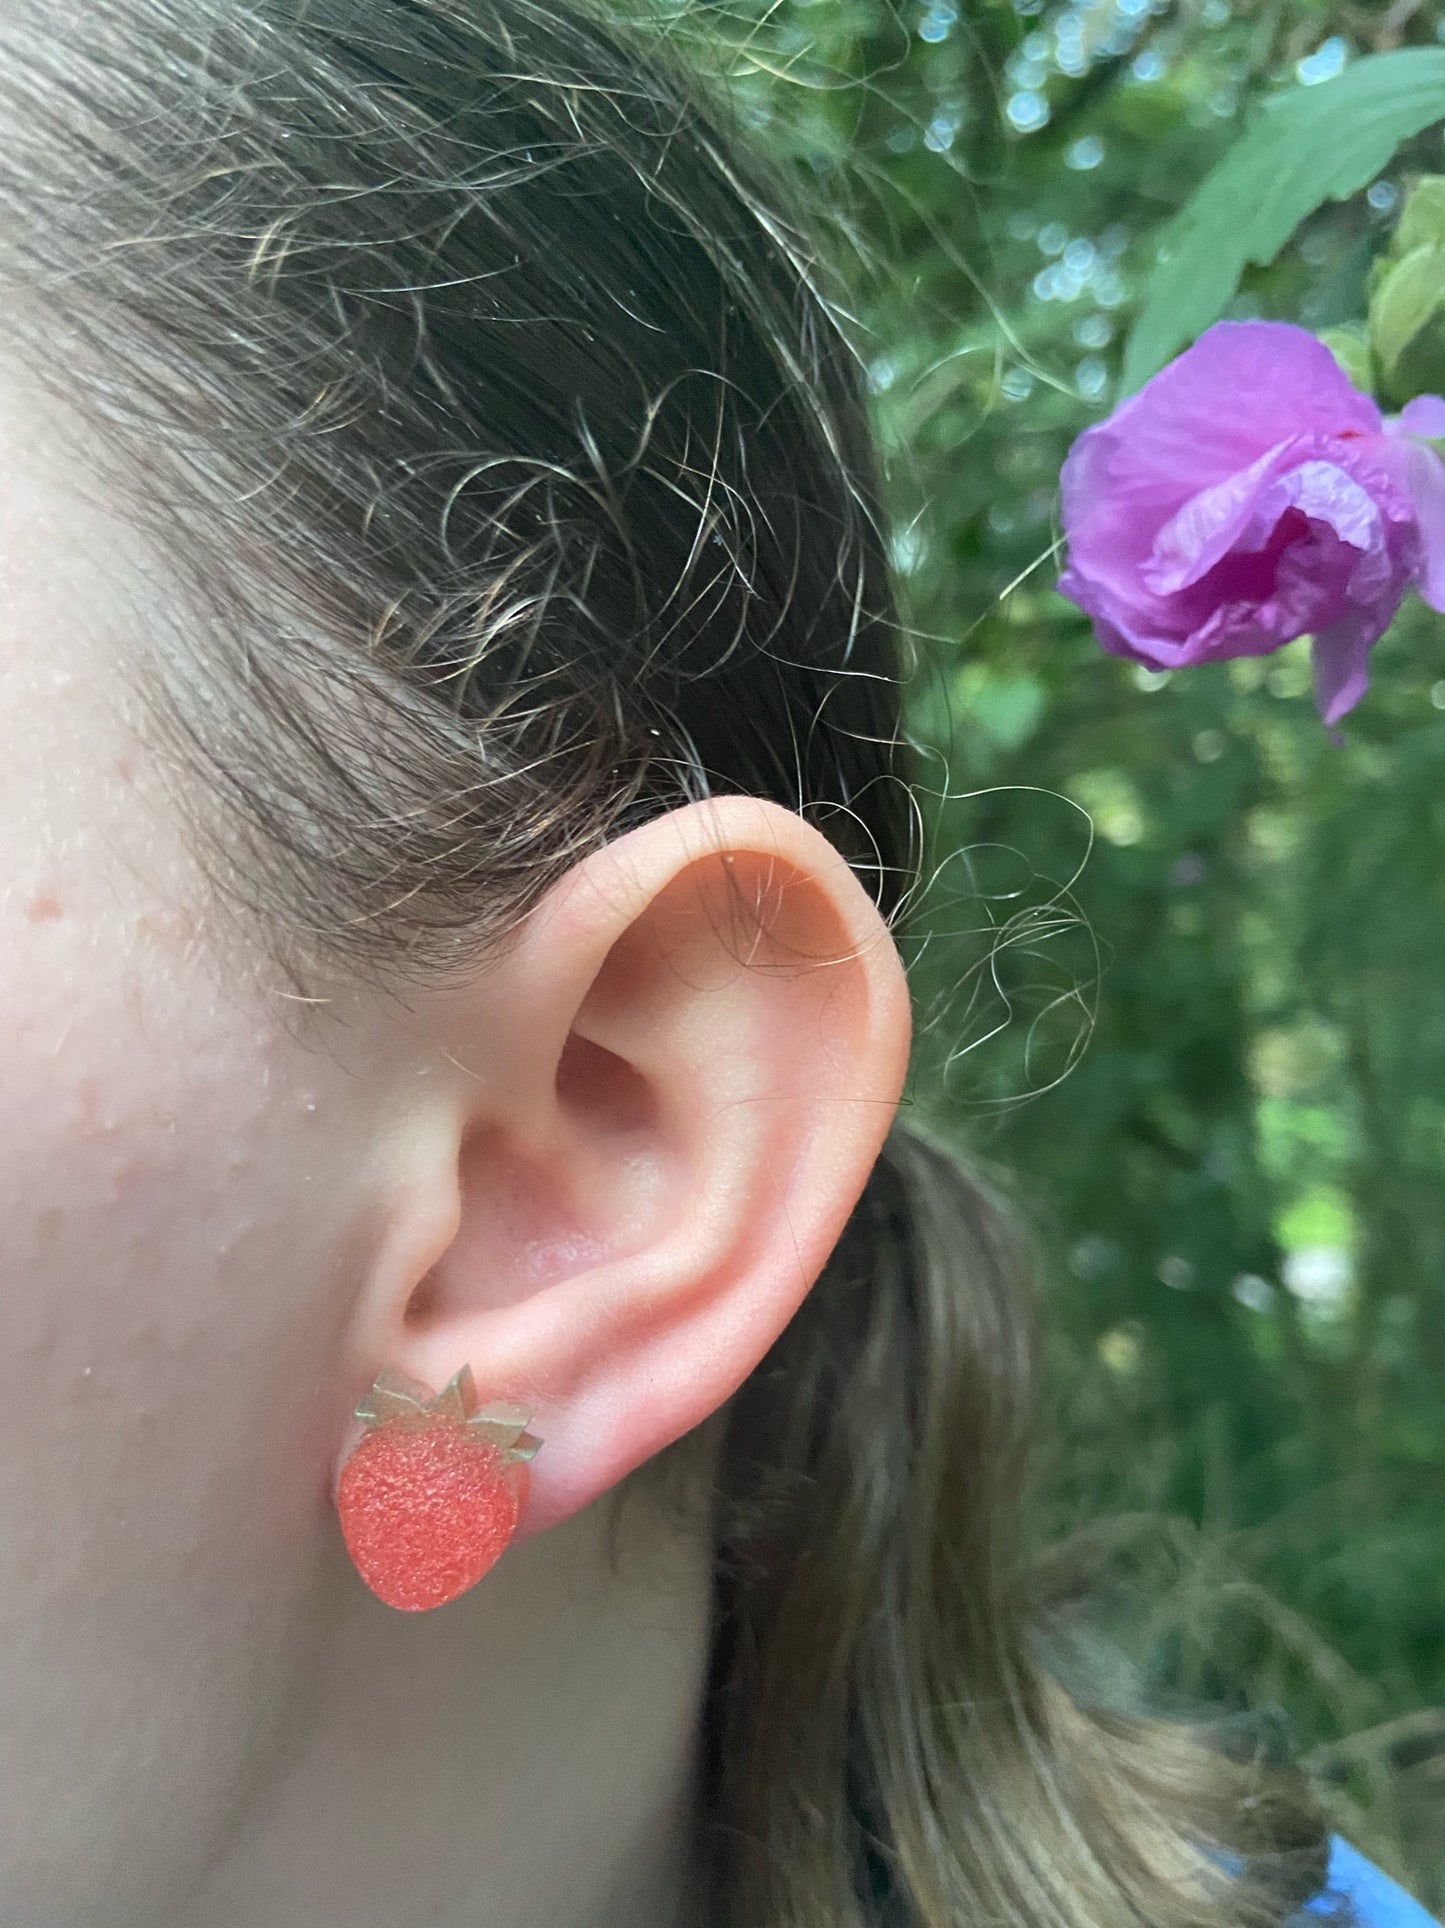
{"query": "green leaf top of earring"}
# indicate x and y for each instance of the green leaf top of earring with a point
(397, 1399)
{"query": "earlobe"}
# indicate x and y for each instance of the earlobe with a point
(676, 1083)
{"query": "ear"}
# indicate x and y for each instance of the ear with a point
(637, 1138)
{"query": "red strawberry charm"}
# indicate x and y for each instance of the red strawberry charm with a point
(433, 1491)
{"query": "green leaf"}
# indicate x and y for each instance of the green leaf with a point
(1314, 144)
(1405, 303)
(1350, 347)
(1422, 219)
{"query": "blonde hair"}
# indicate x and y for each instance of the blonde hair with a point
(488, 402)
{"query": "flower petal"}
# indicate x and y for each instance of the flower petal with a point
(1249, 494)
(1243, 387)
(1424, 416)
(1325, 493)
(1123, 625)
(1340, 660)
(1210, 524)
(1425, 474)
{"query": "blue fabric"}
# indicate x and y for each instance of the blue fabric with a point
(1357, 1893)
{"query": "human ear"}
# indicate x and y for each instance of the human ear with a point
(639, 1134)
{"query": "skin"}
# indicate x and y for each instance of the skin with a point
(604, 1171)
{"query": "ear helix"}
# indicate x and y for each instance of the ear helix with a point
(432, 1492)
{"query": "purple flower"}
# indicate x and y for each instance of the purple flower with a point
(1247, 495)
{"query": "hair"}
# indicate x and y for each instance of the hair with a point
(488, 400)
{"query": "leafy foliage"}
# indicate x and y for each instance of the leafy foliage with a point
(1307, 147)
(1179, 965)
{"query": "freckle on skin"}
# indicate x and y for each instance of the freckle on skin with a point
(41, 909)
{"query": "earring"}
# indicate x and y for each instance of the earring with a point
(431, 1494)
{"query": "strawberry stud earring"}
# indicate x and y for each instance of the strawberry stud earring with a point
(432, 1492)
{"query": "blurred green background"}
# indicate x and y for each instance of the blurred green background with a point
(1180, 963)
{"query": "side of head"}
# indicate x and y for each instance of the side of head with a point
(454, 685)
(440, 630)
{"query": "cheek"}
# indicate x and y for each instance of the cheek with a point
(173, 1264)
(170, 1288)
(138, 1127)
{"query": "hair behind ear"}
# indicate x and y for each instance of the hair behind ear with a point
(882, 1745)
